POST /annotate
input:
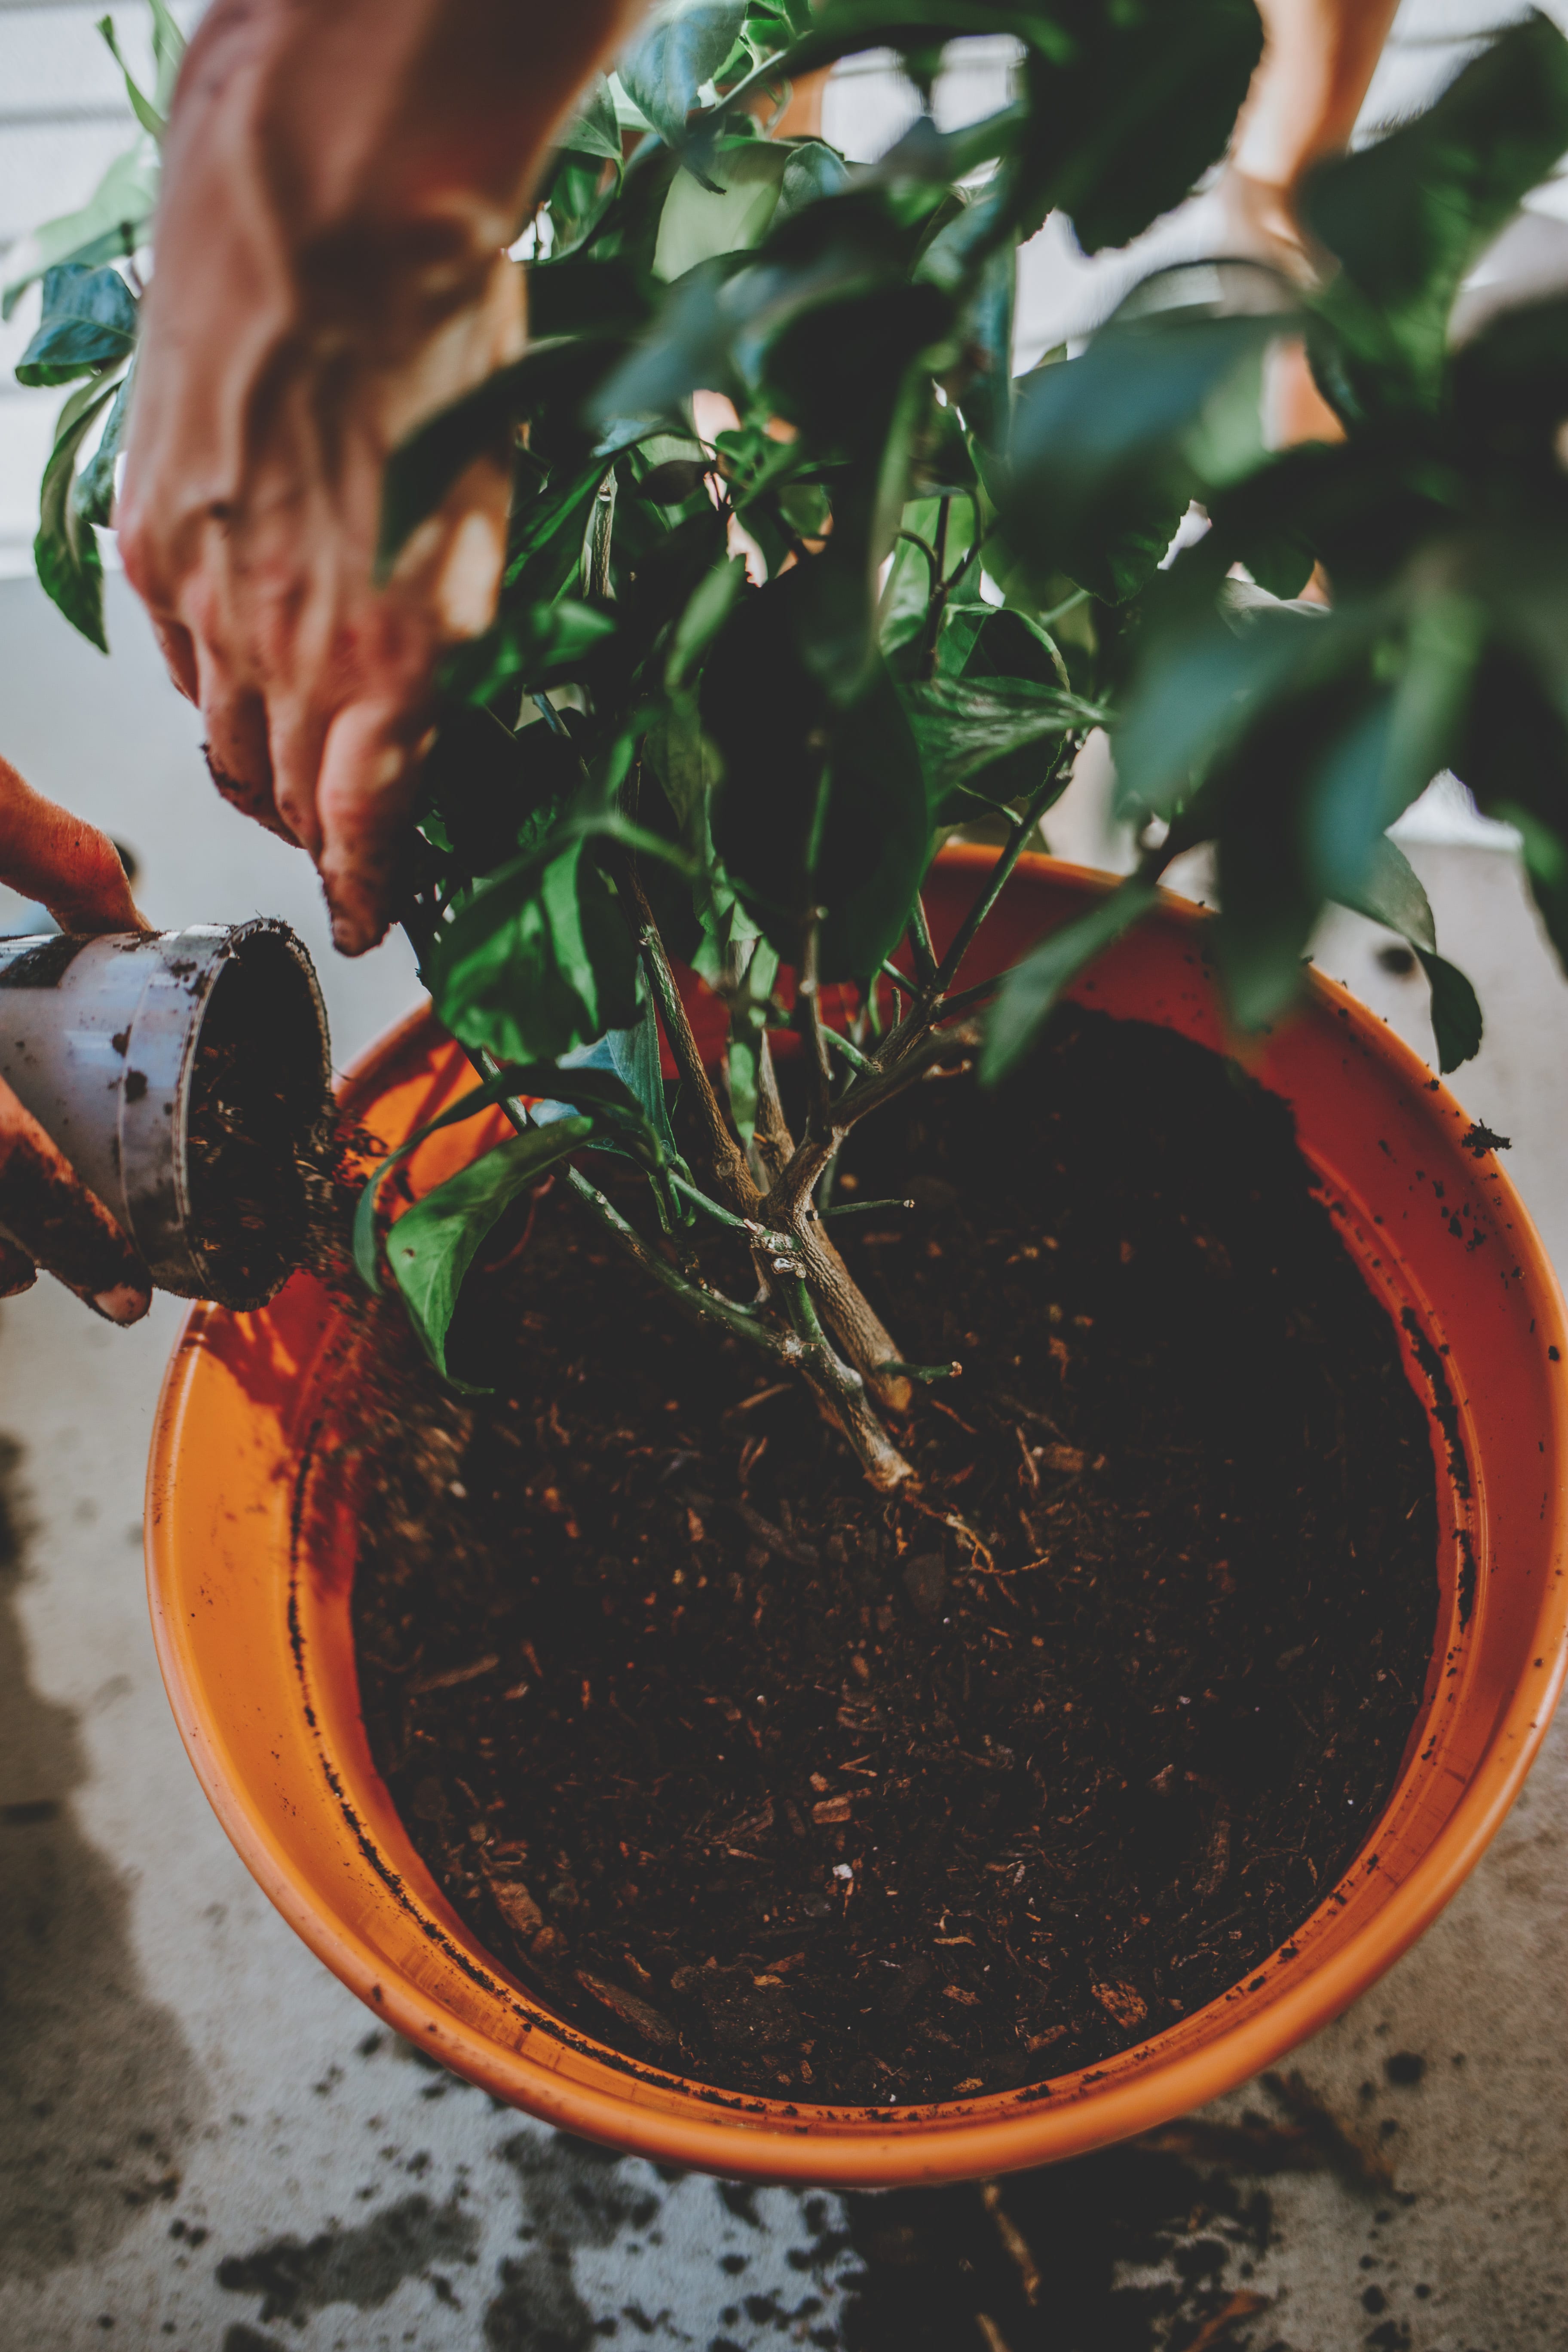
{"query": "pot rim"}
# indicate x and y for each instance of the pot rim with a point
(840, 2147)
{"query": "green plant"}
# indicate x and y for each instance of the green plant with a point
(653, 756)
(87, 335)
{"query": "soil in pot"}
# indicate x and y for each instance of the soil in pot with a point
(263, 1152)
(764, 1778)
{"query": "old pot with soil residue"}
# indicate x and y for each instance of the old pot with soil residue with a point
(255, 1523)
(182, 1074)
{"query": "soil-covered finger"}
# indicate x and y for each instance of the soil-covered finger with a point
(369, 774)
(51, 1214)
(18, 1272)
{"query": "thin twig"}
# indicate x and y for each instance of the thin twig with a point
(819, 1075)
(958, 947)
(921, 953)
(774, 1144)
(734, 1177)
(851, 1053)
(863, 1208)
(748, 1225)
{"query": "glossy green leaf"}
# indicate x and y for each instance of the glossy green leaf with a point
(699, 222)
(432, 1245)
(538, 959)
(1457, 1022)
(822, 806)
(680, 46)
(69, 568)
(843, 28)
(168, 52)
(111, 223)
(594, 130)
(535, 643)
(500, 1086)
(1122, 127)
(971, 731)
(709, 608)
(1407, 216)
(620, 1079)
(1268, 910)
(1392, 895)
(812, 170)
(1107, 448)
(88, 323)
(689, 770)
(147, 114)
(1410, 731)
(491, 788)
(1034, 987)
(1203, 684)
(93, 496)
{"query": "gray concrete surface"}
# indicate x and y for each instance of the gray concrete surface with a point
(207, 2144)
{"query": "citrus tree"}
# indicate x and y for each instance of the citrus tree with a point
(758, 653)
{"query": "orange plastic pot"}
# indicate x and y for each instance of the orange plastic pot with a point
(251, 1556)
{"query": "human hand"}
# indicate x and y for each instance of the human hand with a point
(1318, 61)
(47, 1216)
(340, 186)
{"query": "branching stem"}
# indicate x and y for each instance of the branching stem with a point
(733, 1177)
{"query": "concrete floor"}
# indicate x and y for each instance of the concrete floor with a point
(205, 2144)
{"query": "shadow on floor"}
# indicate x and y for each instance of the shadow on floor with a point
(99, 2089)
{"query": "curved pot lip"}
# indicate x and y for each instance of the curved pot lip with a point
(841, 2146)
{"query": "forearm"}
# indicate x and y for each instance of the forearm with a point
(339, 183)
(1308, 90)
(378, 112)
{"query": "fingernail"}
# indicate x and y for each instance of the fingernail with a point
(348, 937)
(126, 1303)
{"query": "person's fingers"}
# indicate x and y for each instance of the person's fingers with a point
(47, 854)
(49, 1213)
(18, 1272)
(235, 718)
(250, 799)
(369, 772)
(298, 736)
(179, 650)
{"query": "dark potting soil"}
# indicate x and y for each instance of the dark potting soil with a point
(258, 1124)
(808, 1792)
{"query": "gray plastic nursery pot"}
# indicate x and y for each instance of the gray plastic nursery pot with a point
(102, 1039)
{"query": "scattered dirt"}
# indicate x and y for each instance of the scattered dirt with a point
(811, 1793)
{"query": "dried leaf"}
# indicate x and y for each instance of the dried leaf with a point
(1122, 2002)
(638, 2014)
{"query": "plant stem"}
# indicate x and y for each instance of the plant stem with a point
(803, 1348)
(863, 1208)
(734, 1177)
(930, 630)
(774, 1144)
(819, 1075)
(958, 947)
(747, 1226)
(851, 1053)
(921, 953)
